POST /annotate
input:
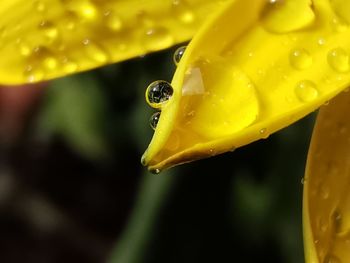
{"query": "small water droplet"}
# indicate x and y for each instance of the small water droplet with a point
(155, 171)
(306, 91)
(153, 121)
(95, 51)
(50, 63)
(338, 59)
(69, 66)
(321, 41)
(324, 192)
(24, 48)
(158, 92)
(302, 181)
(33, 75)
(262, 131)
(49, 29)
(178, 54)
(113, 21)
(183, 11)
(143, 160)
(339, 25)
(300, 59)
(157, 38)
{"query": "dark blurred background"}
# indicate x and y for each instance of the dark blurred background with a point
(72, 188)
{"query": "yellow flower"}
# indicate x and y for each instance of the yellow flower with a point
(252, 68)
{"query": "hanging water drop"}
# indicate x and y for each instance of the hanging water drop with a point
(158, 92)
(155, 171)
(338, 59)
(153, 121)
(179, 54)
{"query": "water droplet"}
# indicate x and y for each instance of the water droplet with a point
(300, 59)
(302, 181)
(306, 91)
(339, 25)
(155, 171)
(24, 48)
(50, 63)
(338, 59)
(153, 121)
(342, 9)
(329, 258)
(113, 21)
(95, 51)
(321, 41)
(143, 160)
(157, 38)
(69, 66)
(49, 29)
(33, 75)
(324, 191)
(262, 131)
(158, 92)
(183, 11)
(178, 54)
(83, 8)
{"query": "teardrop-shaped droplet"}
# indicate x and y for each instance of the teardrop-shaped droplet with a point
(338, 59)
(153, 121)
(178, 54)
(158, 92)
(306, 91)
(300, 59)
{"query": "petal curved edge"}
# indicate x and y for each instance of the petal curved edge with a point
(326, 208)
(248, 73)
(45, 39)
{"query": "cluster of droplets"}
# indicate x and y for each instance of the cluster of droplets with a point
(102, 21)
(160, 91)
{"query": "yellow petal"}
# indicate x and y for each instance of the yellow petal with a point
(326, 208)
(44, 39)
(255, 68)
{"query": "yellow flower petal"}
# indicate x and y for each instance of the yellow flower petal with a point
(44, 39)
(327, 186)
(255, 68)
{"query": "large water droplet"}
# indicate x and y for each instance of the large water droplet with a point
(157, 38)
(306, 91)
(95, 51)
(338, 59)
(158, 92)
(153, 121)
(178, 54)
(300, 59)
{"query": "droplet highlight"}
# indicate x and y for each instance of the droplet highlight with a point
(153, 121)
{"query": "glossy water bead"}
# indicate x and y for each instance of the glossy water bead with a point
(158, 92)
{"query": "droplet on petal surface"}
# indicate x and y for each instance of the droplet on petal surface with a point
(300, 59)
(157, 38)
(306, 91)
(338, 59)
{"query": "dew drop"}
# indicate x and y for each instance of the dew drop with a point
(49, 29)
(339, 25)
(158, 92)
(300, 59)
(33, 75)
(39, 6)
(69, 66)
(338, 59)
(50, 63)
(153, 121)
(306, 91)
(342, 9)
(155, 171)
(183, 11)
(178, 54)
(95, 51)
(157, 38)
(24, 48)
(113, 21)
(83, 8)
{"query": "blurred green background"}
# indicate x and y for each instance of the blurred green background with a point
(72, 188)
